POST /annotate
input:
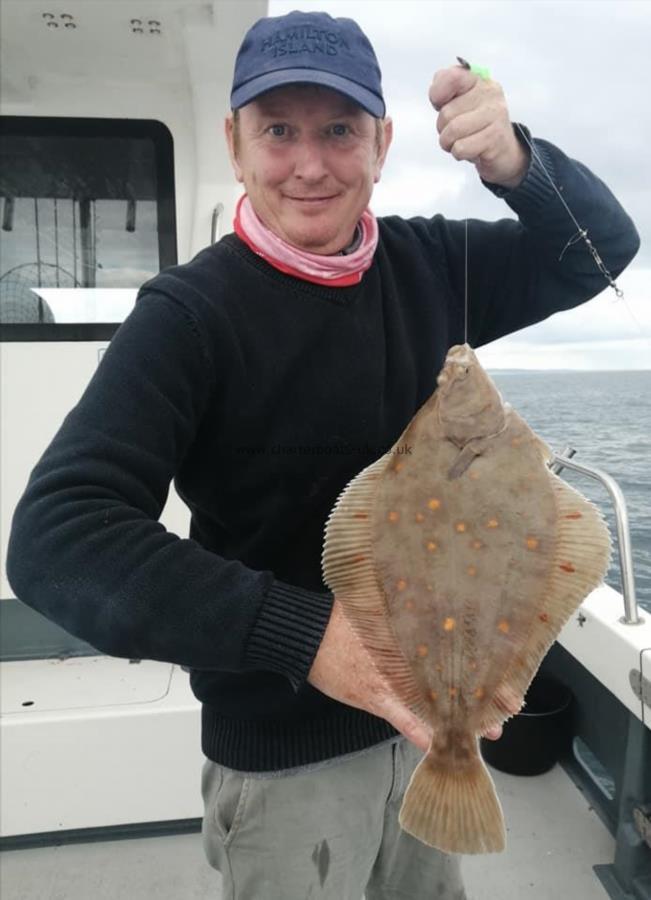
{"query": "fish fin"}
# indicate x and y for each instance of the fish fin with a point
(348, 570)
(455, 809)
(464, 459)
(500, 709)
(580, 563)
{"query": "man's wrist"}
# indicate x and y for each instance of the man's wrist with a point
(525, 164)
(521, 165)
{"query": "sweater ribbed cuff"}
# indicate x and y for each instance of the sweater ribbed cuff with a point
(289, 631)
(535, 189)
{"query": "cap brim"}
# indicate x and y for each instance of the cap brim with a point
(263, 83)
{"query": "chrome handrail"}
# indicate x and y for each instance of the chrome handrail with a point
(561, 461)
(216, 222)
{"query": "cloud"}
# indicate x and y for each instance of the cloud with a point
(606, 333)
(575, 74)
(436, 185)
(605, 317)
(614, 355)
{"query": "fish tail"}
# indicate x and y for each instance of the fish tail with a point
(455, 809)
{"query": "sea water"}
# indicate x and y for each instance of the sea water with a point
(606, 418)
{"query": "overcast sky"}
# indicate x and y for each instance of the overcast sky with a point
(576, 73)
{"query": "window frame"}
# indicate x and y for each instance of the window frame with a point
(71, 127)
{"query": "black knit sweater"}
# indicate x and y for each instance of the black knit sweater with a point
(262, 396)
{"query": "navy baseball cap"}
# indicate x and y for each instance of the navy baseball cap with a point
(308, 48)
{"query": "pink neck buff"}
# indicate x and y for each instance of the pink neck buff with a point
(340, 270)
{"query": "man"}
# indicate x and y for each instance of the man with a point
(263, 376)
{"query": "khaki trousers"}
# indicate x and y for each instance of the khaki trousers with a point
(330, 834)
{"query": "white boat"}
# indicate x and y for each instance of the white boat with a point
(115, 167)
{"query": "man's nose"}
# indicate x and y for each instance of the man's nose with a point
(309, 162)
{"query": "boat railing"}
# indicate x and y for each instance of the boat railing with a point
(564, 460)
(216, 222)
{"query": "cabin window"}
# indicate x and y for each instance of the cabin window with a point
(87, 216)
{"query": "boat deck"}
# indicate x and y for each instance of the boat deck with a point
(554, 840)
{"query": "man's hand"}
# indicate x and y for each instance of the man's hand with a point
(474, 124)
(343, 669)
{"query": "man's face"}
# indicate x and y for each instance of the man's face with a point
(308, 158)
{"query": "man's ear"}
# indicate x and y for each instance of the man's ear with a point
(386, 142)
(228, 131)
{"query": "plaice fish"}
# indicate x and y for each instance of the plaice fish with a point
(457, 563)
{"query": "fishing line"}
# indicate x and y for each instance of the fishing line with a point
(465, 308)
(581, 233)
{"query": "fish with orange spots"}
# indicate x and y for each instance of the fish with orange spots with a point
(474, 555)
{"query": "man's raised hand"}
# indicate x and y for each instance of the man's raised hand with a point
(474, 125)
